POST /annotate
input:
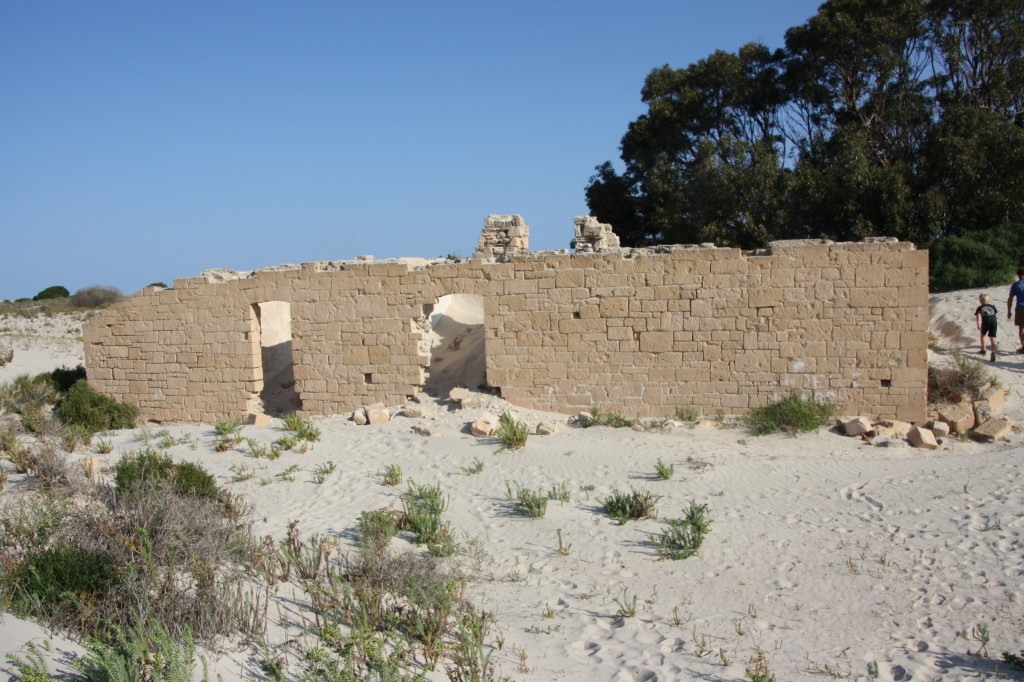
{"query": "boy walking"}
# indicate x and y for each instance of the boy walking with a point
(985, 315)
(1017, 291)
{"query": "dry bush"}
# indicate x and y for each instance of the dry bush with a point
(957, 377)
(96, 297)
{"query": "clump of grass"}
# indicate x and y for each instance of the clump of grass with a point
(637, 504)
(559, 491)
(302, 429)
(683, 537)
(597, 418)
(665, 471)
(423, 506)
(687, 413)
(259, 450)
(475, 468)
(757, 667)
(150, 467)
(379, 525)
(957, 377)
(392, 475)
(793, 414)
(511, 432)
(532, 503)
(229, 434)
(322, 471)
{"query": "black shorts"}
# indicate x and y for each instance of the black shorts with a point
(989, 326)
(1018, 316)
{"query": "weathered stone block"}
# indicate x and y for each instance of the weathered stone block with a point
(921, 437)
(993, 429)
(484, 426)
(857, 426)
(959, 416)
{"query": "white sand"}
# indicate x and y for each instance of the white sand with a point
(823, 551)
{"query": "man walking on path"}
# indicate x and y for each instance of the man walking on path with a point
(1017, 291)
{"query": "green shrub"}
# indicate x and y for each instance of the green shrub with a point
(94, 411)
(638, 504)
(149, 466)
(158, 284)
(145, 652)
(64, 378)
(981, 258)
(52, 292)
(511, 432)
(793, 414)
(63, 576)
(597, 418)
(683, 537)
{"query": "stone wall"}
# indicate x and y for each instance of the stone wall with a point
(638, 332)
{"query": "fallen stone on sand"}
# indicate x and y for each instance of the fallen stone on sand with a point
(857, 426)
(921, 437)
(892, 428)
(959, 416)
(546, 428)
(412, 411)
(377, 414)
(995, 397)
(486, 425)
(359, 417)
(992, 430)
(982, 411)
(258, 419)
(426, 429)
(466, 398)
(940, 429)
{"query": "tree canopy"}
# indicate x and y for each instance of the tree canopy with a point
(900, 118)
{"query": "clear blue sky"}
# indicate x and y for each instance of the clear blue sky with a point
(145, 141)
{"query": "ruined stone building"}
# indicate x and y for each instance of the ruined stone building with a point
(637, 332)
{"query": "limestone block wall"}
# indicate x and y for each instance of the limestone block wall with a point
(638, 332)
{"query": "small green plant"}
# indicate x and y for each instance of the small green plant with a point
(392, 475)
(229, 434)
(259, 450)
(563, 549)
(322, 471)
(793, 414)
(475, 468)
(103, 446)
(980, 634)
(597, 418)
(683, 537)
(511, 432)
(559, 492)
(637, 504)
(240, 472)
(687, 414)
(302, 429)
(757, 667)
(288, 474)
(627, 605)
(32, 668)
(143, 652)
(379, 525)
(665, 471)
(1014, 660)
(286, 442)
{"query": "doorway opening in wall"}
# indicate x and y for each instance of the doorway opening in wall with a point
(278, 365)
(456, 335)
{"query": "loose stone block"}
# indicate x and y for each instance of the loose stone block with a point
(921, 437)
(940, 429)
(377, 414)
(857, 426)
(992, 430)
(484, 426)
(959, 416)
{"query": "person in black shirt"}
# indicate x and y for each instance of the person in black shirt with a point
(985, 314)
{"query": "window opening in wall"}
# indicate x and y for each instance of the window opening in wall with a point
(278, 365)
(456, 335)
(368, 378)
